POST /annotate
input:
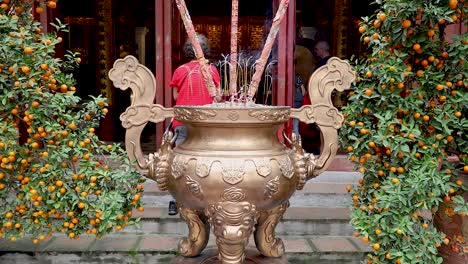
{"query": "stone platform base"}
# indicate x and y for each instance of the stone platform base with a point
(210, 256)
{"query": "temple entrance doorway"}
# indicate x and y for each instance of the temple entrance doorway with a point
(105, 30)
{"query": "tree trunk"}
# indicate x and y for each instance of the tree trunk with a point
(455, 227)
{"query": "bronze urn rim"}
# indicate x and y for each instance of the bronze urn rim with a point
(225, 113)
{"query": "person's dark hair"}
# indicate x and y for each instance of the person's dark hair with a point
(205, 46)
(323, 45)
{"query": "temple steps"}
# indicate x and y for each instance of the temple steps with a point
(155, 249)
(315, 229)
(321, 208)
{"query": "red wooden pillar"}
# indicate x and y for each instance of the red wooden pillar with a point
(283, 90)
(163, 34)
(42, 17)
(455, 29)
(170, 24)
(283, 93)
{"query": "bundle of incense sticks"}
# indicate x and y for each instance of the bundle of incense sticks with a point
(260, 66)
(204, 66)
(233, 63)
(261, 62)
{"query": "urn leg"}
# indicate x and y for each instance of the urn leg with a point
(199, 231)
(264, 236)
(232, 223)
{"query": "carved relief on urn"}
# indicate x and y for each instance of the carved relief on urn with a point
(218, 155)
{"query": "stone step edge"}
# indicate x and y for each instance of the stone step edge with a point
(161, 244)
(291, 214)
(151, 188)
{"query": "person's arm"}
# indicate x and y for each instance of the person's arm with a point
(176, 82)
(217, 82)
(218, 94)
(175, 93)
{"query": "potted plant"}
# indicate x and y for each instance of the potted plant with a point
(55, 174)
(406, 130)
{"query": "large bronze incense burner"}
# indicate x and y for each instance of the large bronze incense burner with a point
(232, 173)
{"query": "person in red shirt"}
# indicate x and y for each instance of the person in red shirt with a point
(310, 133)
(189, 87)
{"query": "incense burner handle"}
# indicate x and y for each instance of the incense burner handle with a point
(336, 74)
(129, 73)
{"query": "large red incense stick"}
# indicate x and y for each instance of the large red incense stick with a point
(204, 66)
(259, 68)
(233, 64)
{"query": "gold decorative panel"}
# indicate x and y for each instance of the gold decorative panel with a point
(84, 21)
(241, 31)
(251, 31)
(341, 24)
(256, 36)
(105, 46)
(214, 34)
(198, 28)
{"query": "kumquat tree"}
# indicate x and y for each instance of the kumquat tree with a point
(55, 174)
(406, 129)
